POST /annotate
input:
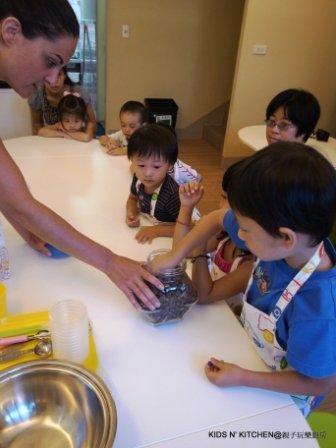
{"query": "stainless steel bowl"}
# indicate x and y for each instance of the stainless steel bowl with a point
(51, 403)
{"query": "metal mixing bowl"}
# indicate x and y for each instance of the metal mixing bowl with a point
(51, 403)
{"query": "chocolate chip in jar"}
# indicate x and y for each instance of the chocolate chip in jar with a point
(178, 295)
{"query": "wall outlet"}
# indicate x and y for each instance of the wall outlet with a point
(125, 31)
(259, 49)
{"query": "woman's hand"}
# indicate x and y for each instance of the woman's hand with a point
(130, 277)
(32, 240)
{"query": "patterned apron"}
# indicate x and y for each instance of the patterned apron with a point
(151, 215)
(235, 302)
(261, 327)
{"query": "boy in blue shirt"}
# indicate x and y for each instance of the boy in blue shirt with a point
(283, 206)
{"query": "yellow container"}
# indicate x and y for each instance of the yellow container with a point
(31, 323)
(3, 305)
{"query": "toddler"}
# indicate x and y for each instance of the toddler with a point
(153, 151)
(132, 116)
(73, 119)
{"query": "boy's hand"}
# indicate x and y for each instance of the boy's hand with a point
(190, 194)
(132, 220)
(223, 374)
(162, 262)
(111, 144)
(117, 151)
(103, 140)
(146, 234)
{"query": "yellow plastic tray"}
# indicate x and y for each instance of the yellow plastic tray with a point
(30, 323)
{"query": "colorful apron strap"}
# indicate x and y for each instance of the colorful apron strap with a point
(295, 284)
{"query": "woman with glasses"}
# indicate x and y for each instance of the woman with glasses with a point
(291, 116)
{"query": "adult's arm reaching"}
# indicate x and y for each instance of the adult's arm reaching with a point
(38, 221)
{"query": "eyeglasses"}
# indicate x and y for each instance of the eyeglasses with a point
(282, 126)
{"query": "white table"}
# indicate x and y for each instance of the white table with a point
(255, 138)
(155, 373)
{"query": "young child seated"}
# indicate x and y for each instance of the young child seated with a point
(283, 206)
(153, 150)
(132, 116)
(220, 275)
(73, 120)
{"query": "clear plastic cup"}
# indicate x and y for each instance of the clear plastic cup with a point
(69, 327)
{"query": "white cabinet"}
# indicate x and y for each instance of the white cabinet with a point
(14, 115)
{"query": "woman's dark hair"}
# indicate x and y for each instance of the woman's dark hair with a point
(135, 107)
(71, 104)
(153, 139)
(286, 184)
(42, 18)
(300, 107)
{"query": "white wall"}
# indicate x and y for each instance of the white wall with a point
(185, 50)
(15, 115)
(300, 36)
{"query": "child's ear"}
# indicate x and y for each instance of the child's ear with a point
(10, 29)
(144, 123)
(289, 236)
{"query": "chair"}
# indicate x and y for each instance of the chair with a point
(324, 424)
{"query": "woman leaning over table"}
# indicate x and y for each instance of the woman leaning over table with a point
(37, 38)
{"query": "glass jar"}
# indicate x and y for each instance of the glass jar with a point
(178, 295)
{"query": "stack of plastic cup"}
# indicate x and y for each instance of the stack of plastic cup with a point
(69, 328)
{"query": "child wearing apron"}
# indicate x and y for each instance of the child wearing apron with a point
(284, 202)
(283, 207)
(261, 326)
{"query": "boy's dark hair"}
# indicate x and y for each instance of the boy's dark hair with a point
(135, 107)
(229, 173)
(300, 107)
(153, 139)
(71, 104)
(286, 184)
(50, 19)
